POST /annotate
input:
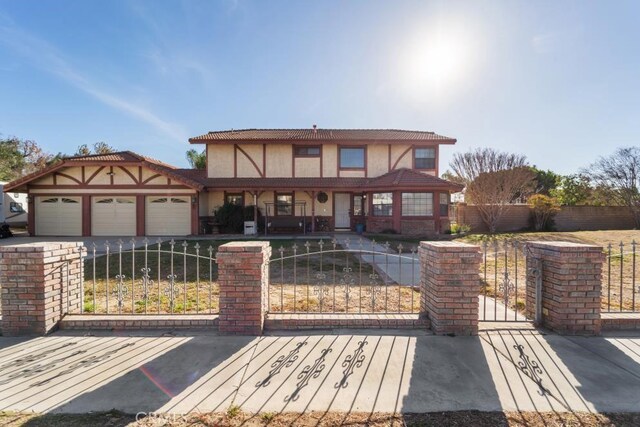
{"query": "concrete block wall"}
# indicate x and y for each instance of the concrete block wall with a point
(40, 284)
(571, 286)
(450, 285)
(243, 277)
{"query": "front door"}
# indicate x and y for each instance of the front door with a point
(342, 208)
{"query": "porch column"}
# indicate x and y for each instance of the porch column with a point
(31, 214)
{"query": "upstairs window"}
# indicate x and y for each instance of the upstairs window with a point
(306, 151)
(352, 158)
(425, 158)
(382, 204)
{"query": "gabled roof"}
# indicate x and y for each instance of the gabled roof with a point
(404, 177)
(120, 158)
(321, 136)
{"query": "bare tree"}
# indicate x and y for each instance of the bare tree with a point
(619, 175)
(468, 166)
(493, 193)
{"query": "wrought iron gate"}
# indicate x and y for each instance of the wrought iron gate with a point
(344, 278)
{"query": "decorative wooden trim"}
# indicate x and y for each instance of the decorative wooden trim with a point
(107, 187)
(389, 152)
(235, 160)
(93, 175)
(111, 174)
(83, 176)
(264, 160)
(139, 174)
(321, 162)
(66, 176)
(151, 178)
(86, 215)
(141, 212)
(251, 160)
(130, 174)
(404, 153)
(55, 178)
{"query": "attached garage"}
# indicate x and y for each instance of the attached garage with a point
(113, 216)
(113, 194)
(58, 216)
(168, 216)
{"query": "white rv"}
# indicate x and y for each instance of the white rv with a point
(13, 207)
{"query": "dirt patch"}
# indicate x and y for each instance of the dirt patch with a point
(235, 418)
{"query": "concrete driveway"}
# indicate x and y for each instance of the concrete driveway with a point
(355, 371)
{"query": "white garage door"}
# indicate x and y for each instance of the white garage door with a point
(113, 216)
(58, 216)
(168, 216)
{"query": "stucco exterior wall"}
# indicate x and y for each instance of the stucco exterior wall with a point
(400, 155)
(307, 167)
(377, 160)
(220, 163)
(329, 160)
(279, 164)
(245, 168)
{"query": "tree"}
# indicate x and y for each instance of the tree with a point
(98, 148)
(466, 167)
(197, 160)
(544, 209)
(573, 190)
(493, 193)
(19, 157)
(619, 176)
(546, 181)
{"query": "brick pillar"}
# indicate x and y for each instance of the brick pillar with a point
(449, 286)
(571, 286)
(41, 282)
(243, 275)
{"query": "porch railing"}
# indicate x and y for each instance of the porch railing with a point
(344, 277)
(140, 277)
(620, 289)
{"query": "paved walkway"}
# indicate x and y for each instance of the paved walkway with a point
(499, 370)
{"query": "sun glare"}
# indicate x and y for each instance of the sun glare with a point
(436, 62)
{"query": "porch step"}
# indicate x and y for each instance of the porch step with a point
(302, 321)
(620, 321)
(148, 321)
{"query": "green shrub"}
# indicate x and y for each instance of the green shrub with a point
(460, 228)
(231, 217)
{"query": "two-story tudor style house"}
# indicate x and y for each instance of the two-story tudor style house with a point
(302, 180)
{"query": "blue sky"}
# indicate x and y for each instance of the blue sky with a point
(558, 81)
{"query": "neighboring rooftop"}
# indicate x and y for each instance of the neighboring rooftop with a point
(321, 135)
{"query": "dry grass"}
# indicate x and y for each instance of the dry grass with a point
(325, 419)
(339, 282)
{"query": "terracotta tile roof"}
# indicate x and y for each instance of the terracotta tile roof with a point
(397, 179)
(128, 157)
(321, 135)
(408, 178)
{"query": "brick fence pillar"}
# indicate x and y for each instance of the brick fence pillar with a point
(41, 282)
(571, 286)
(243, 275)
(449, 286)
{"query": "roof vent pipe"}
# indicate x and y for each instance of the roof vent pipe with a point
(315, 128)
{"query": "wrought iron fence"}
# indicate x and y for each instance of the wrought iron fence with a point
(620, 289)
(344, 277)
(503, 279)
(140, 277)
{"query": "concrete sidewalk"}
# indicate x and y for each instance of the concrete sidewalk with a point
(499, 370)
